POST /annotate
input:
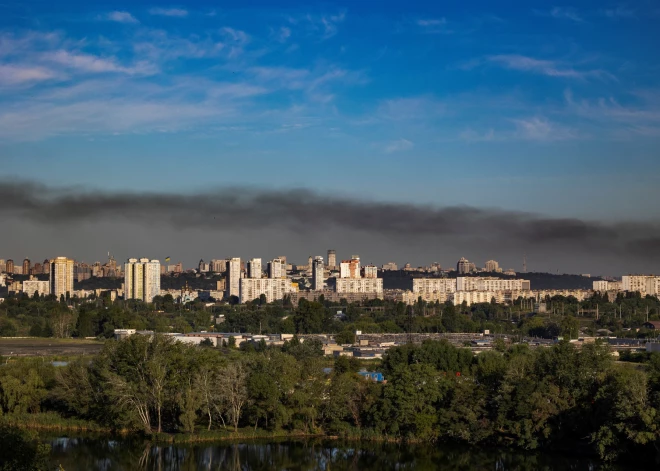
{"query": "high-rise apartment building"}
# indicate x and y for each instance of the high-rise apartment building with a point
(492, 266)
(370, 271)
(141, 279)
(254, 268)
(234, 277)
(317, 273)
(463, 266)
(61, 276)
(46, 267)
(277, 268)
(9, 268)
(3, 265)
(332, 259)
(218, 266)
(350, 268)
(26, 266)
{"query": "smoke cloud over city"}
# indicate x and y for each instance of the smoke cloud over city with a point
(307, 213)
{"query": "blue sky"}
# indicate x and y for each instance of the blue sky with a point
(534, 106)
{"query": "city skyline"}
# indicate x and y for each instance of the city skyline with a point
(529, 112)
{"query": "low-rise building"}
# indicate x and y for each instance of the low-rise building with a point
(33, 285)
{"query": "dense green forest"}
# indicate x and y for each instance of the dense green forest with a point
(558, 398)
(47, 317)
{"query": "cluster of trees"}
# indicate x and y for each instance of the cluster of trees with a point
(48, 317)
(555, 398)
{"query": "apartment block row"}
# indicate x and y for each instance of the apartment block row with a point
(464, 283)
(644, 284)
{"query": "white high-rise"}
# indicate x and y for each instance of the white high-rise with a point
(234, 277)
(317, 273)
(141, 279)
(61, 276)
(277, 268)
(254, 268)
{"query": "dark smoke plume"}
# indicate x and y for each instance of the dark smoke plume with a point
(304, 211)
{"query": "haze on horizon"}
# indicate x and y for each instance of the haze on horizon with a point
(487, 131)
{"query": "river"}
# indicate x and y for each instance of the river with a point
(103, 454)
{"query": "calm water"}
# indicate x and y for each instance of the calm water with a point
(108, 455)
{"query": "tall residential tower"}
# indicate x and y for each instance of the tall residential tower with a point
(61, 277)
(141, 279)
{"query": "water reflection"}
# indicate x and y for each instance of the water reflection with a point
(84, 453)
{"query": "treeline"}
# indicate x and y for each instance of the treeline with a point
(45, 316)
(560, 398)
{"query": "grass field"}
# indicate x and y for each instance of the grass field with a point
(36, 346)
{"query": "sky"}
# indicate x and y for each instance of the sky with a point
(531, 107)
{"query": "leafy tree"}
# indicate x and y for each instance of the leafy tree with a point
(22, 451)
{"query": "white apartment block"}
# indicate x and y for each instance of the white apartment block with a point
(318, 277)
(273, 288)
(359, 285)
(35, 286)
(434, 285)
(61, 277)
(498, 284)
(277, 268)
(653, 285)
(410, 297)
(254, 268)
(474, 297)
(465, 283)
(234, 277)
(635, 282)
(141, 279)
(350, 268)
(601, 285)
(370, 271)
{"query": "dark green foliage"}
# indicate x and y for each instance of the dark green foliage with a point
(546, 398)
(21, 451)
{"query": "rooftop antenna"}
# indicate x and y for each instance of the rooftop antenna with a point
(525, 263)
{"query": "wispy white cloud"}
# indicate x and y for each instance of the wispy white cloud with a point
(433, 25)
(325, 26)
(173, 12)
(414, 108)
(94, 64)
(20, 75)
(398, 145)
(644, 114)
(566, 13)
(120, 17)
(282, 34)
(549, 68)
(470, 135)
(620, 11)
(541, 129)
